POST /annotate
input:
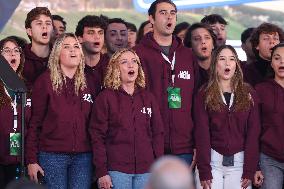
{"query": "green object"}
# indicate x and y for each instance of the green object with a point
(174, 97)
(15, 147)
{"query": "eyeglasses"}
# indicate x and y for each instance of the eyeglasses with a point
(9, 51)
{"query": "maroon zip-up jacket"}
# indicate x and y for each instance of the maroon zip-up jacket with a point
(34, 66)
(177, 122)
(271, 96)
(6, 127)
(227, 132)
(126, 132)
(96, 73)
(59, 122)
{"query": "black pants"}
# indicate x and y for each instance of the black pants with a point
(7, 174)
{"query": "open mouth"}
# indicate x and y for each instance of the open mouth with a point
(220, 39)
(227, 70)
(131, 72)
(204, 48)
(169, 25)
(44, 34)
(281, 68)
(119, 45)
(96, 43)
(73, 56)
(13, 61)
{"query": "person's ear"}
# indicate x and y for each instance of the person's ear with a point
(80, 39)
(151, 19)
(29, 31)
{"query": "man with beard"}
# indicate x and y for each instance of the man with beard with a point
(39, 29)
(116, 35)
(201, 38)
(169, 71)
(218, 25)
(263, 39)
(90, 32)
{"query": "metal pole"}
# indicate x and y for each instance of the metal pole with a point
(22, 169)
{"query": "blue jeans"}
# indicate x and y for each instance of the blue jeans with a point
(128, 181)
(186, 157)
(273, 172)
(66, 171)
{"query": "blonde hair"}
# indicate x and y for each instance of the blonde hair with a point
(112, 78)
(56, 75)
(213, 99)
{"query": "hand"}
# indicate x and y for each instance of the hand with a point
(245, 183)
(105, 182)
(33, 169)
(258, 178)
(206, 184)
(193, 163)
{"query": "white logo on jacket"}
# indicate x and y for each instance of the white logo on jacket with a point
(147, 111)
(175, 98)
(29, 102)
(88, 98)
(184, 75)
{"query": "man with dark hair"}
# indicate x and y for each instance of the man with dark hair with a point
(246, 45)
(218, 25)
(90, 32)
(263, 39)
(59, 25)
(132, 34)
(181, 29)
(201, 38)
(116, 35)
(39, 29)
(169, 71)
(153, 7)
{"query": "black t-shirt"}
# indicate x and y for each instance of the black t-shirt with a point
(227, 97)
(165, 50)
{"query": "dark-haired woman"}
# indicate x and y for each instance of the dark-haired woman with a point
(271, 96)
(9, 105)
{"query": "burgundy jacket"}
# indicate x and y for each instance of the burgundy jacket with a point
(6, 127)
(126, 132)
(59, 122)
(271, 96)
(177, 122)
(33, 67)
(227, 132)
(96, 73)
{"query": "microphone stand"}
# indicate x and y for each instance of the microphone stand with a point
(23, 104)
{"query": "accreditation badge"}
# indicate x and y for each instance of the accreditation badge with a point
(174, 97)
(15, 147)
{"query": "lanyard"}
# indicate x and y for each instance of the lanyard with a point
(231, 100)
(15, 117)
(172, 63)
(15, 113)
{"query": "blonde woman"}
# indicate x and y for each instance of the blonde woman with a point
(126, 127)
(58, 144)
(227, 126)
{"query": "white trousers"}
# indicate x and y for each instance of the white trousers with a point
(224, 177)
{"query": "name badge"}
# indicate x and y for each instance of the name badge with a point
(15, 147)
(174, 97)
